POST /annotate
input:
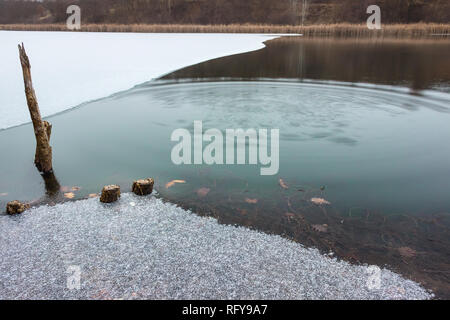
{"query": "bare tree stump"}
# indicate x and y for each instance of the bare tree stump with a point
(16, 207)
(42, 129)
(143, 187)
(110, 194)
(48, 132)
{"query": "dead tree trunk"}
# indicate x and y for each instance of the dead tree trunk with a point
(42, 129)
(48, 132)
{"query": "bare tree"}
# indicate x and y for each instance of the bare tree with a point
(304, 10)
(42, 129)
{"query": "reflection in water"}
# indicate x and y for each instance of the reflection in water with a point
(376, 155)
(52, 186)
(419, 64)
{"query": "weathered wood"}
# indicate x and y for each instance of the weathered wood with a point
(48, 131)
(16, 207)
(110, 194)
(42, 129)
(143, 187)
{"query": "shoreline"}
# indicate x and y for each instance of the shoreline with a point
(169, 204)
(201, 212)
(44, 205)
(172, 240)
(416, 30)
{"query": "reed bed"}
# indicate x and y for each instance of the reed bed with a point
(333, 30)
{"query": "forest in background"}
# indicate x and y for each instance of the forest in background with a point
(212, 12)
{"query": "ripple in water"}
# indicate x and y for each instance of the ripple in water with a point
(381, 149)
(379, 155)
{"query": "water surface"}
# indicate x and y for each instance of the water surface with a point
(377, 153)
(416, 64)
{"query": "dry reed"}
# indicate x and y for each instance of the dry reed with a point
(417, 30)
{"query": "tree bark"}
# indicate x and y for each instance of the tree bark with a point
(42, 129)
(48, 132)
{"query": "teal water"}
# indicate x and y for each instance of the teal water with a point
(377, 149)
(377, 153)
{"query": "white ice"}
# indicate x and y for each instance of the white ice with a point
(70, 68)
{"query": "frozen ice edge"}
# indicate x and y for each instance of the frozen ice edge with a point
(71, 68)
(145, 248)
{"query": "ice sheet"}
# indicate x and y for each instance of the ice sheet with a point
(69, 68)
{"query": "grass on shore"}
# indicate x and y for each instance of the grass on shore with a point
(417, 30)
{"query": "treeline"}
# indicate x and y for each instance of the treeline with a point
(278, 12)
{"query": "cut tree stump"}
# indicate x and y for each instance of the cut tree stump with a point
(16, 207)
(42, 129)
(110, 194)
(143, 187)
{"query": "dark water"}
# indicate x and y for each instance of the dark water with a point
(378, 155)
(416, 64)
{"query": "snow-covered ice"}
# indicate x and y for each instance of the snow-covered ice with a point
(141, 247)
(70, 68)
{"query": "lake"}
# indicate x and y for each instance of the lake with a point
(363, 125)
